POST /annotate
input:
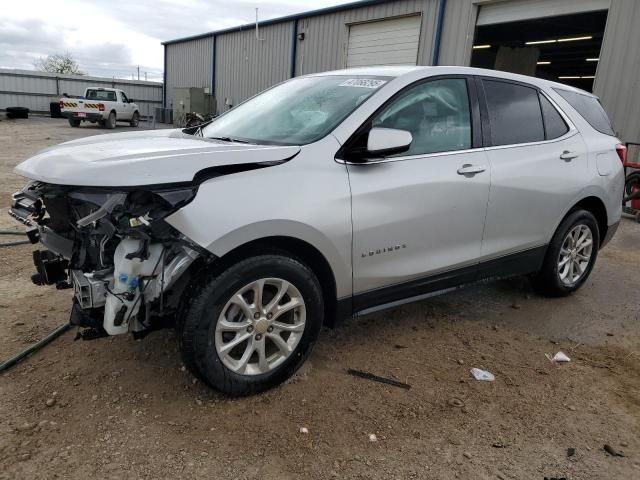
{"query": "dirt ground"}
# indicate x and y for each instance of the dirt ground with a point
(119, 408)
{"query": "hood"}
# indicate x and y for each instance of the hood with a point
(150, 157)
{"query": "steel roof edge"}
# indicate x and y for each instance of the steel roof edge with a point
(66, 76)
(273, 21)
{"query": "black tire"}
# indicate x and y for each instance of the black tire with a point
(74, 122)
(135, 119)
(110, 122)
(197, 326)
(17, 112)
(547, 281)
(632, 183)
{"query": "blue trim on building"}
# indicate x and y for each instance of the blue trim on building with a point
(294, 48)
(435, 57)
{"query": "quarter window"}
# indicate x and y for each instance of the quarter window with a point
(514, 113)
(554, 124)
(590, 108)
(436, 113)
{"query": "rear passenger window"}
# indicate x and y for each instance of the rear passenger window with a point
(590, 108)
(514, 113)
(554, 124)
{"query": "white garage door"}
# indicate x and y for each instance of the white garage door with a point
(385, 42)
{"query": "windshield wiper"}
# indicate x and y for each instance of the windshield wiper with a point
(229, 139)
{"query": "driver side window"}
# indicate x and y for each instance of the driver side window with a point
(436, 113)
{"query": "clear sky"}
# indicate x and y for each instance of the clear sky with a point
(110, 38)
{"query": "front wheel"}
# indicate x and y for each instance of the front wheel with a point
(135, 119)
(251, 327)
(570, 256)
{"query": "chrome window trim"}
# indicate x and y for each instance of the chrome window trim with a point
(570, 133)
(411, 157)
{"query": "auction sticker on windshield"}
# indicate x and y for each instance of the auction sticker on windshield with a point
(363, 83)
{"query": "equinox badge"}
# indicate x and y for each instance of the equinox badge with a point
(379, 251)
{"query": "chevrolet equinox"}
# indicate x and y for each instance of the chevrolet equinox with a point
(325, 196)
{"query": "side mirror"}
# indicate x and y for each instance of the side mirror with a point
(388, 141)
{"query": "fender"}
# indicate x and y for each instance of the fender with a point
(613, 208)
(307, 198)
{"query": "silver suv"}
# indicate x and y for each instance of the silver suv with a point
(326, 196)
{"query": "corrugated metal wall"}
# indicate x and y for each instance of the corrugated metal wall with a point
(326, 36)
(458, 31)
(617, 79)
(246, 65)
(35, 90)
(188, 64)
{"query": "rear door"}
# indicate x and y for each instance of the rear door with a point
(418, 216)
(539, 165)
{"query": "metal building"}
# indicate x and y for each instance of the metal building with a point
(587, 43)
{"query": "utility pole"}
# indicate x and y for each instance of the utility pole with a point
(138, 72)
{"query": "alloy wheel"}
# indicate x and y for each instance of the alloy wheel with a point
(575, 254)
(260, 326)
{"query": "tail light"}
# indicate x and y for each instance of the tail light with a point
(621, 150)
(101, 108)
(61, 104)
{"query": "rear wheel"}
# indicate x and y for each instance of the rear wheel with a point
(570, 256)
(110, 122)
(74, 122)
(251, 327)
(135, 119)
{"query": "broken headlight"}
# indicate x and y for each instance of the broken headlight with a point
(130, 209)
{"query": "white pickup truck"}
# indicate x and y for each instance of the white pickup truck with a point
(106, 106)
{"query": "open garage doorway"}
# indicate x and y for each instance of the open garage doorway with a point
(563, 48)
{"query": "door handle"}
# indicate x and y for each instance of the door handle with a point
(468, 169)
(567, 156)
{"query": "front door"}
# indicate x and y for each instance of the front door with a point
(419, 216)
(126, 112)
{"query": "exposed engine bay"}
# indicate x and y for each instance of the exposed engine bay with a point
(113, 247)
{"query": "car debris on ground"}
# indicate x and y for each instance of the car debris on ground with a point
(375, 378)
(559, 357)
(482, 375)
(612, 451)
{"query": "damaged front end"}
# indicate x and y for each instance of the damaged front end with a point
(125, 263)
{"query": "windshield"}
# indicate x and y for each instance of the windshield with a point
(296, 112)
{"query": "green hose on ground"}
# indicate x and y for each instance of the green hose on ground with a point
(46, 340)
(35, 347)
(17, 242)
